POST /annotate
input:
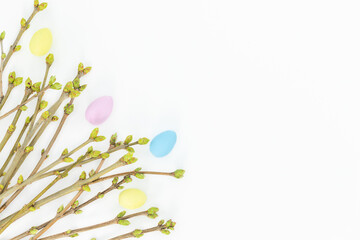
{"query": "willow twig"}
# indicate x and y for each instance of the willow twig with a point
(12, 128)
(33, 178)
(61, 213)
(18, 37)
(74, 232)
(42, 159)
(7, 94)
(27, 206)
(27, 101)
(73, 188)
(18, 159)
(46, 173)
(15, 147)
(1, 70)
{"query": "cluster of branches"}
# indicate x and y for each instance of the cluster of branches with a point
(34, 126)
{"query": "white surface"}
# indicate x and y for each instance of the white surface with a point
(263, 94)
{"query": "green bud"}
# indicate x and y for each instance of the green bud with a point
(3, 56)
(45, 115)
(87, 70)
(128, 139)
(32, 209)
(89, 150)
(138, 169)
(60, 209)
(121, 214)
(127, 179)
(77, 212)
(28, 83)
(143, 141)
(68, 160)
(115, 180)
(179, 173)
(152, 216)
(42, 6)
(165, 231)
(113, 139)
(152, 210)
(36, 86)
(69, 108)
(82, 87)
(75, 204)
(124, 222)
(126, 157)
(94, 133)
(74, 93)
(82, 175)
(99, 138)
(27, 121)
(56, 86)
(50, 59)
(81, 67)
(69, 87)
(1, 187)
(18, 81)
(91, 173)
(52, 80)
(54, 118)
(100, 195)
(95, 153)
(12, 77)
(29, 149)
(74, 235)
(105, 155)
(36, 3)
(161, 222)
(11, 128)
(130, 149)
(2, 36)
(86, 188)
(17, 48)
(23, 22)
(139, 175)
(43, 104)
(33, 231)
(168, 223)
(137, 233)
(76, 83)
(20, 179)
(65, 152)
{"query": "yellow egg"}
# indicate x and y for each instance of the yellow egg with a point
(132, 198)
(41, 42)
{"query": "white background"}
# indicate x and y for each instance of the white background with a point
(264, 96)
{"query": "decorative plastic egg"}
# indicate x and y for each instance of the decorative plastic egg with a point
(99, 110)
(132, 198)
(163, 143)
(41, 42)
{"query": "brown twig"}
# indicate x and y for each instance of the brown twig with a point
(24, 103)
(41, 161)
(67, 207)
(70, 189)
(73, 232)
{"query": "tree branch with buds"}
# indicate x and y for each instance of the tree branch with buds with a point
(35, 127)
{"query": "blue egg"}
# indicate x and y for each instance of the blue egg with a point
(163, 143)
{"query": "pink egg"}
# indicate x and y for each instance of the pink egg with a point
(99, 110)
